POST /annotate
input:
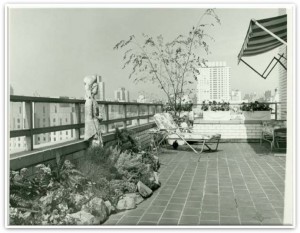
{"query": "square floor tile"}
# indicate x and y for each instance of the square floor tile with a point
(151, 217)
(229, 221)
(168, 221)
(171, 214)
(129, 221)
(189, 220)
(210, 209)
(173, 206)
(210, 216)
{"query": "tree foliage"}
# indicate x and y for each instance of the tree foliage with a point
(172, 65)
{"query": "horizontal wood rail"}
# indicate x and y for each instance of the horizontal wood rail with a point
(141, 111)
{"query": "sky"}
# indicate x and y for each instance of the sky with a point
(51, 50)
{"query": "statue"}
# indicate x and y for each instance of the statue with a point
(93, 115)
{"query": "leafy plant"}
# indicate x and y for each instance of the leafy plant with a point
(215, 106)
(255, 106)
(184, 107)
(126, 140)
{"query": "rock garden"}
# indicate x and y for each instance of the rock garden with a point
(107, 180)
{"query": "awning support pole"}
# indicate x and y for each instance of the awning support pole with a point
(278, 60)
(268, 31)
(269, 66)
(252, 68)
(262, 75)
(272, 67)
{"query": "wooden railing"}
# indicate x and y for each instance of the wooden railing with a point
(29, 113)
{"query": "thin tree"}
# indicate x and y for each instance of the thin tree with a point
(172, 65)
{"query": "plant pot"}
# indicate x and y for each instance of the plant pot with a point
(257, 115)
(216, 115)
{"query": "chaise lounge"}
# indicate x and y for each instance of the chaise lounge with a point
(173, 133)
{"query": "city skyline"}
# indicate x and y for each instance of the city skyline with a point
(84, 43)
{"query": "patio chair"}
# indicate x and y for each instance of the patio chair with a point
(274, 132)
(165, 122)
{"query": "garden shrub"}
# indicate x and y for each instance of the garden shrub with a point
(100, 163)
(126, 141)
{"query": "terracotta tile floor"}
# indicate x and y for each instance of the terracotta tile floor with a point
(241, 184)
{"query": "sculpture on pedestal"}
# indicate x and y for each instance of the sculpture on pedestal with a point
(93, 113)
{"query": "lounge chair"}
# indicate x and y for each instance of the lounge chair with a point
(165, 122)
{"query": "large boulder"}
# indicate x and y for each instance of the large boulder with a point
(144, 190)
(97, 207)
(126, 203)
(83, 218)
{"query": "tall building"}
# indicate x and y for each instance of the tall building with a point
(45, 115)
(62, 114)
(122, 95)
(213, 82)
(236, 96)
(268, 95)
(101, 89)
(41, 120)
(11, 91)
(17, 121)
(251, 97)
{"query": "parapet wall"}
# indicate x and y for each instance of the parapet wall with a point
(231, 130)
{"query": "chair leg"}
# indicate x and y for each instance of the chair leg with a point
(272, 146)
(188, 144)
(260, 140)
(217, 144)
(202, 147)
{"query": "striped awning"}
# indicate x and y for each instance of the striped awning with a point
(260, 41)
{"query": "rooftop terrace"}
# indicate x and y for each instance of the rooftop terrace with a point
(241, 184)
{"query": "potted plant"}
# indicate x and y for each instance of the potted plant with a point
(216, 111)
(181, 110)
(256, 111)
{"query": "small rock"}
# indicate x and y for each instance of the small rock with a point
(136, 196)
(126, 203)
(156, 178)
(148, 167)
(97, 207)
(143, 189)
(83, 218)
(111, 209)
(78, 200)
(157, 163)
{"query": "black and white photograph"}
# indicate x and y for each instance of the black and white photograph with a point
(150, 116)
